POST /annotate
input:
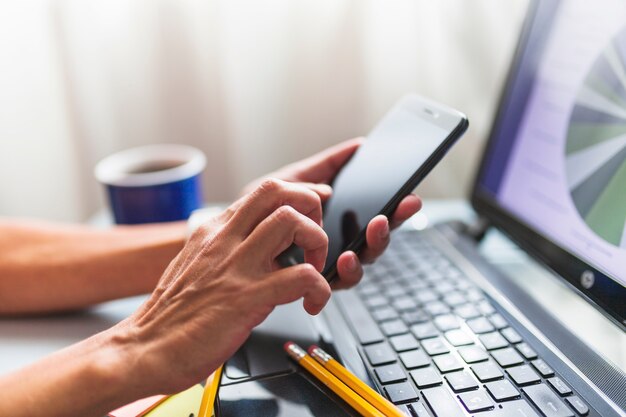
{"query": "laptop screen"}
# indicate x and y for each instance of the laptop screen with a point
(556, 160)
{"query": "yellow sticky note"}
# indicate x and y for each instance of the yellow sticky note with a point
(183, 404)
(139, 407)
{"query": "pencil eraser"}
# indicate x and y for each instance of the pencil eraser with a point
(312, 348)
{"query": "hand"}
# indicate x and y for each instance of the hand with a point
(225, 282)
(321, 169)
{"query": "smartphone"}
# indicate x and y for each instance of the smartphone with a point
(394, 158)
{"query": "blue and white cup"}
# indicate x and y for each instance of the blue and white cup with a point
(155, 183)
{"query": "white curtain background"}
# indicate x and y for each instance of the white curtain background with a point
(254, 84)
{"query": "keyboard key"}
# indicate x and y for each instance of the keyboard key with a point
(498, 321)
(546, 401)
(424, 330)
(507, 357)
(443, 263)
(419, 410)
(368, 289)
(447, 363)
(395, 291)
(393, 327)
(364, 326)
(404, 303)
(384, 313)
(559, 386)
(526, 351)
(502, 390)
(375, 301)
(417, 285)
(461, 381)
(511, 335)
(473, 354)
(466, 311)
(385, 280)
(458, 337)
(474, 295)
(454, 272)
(405, 410)
(476, 400)
(435, 308)
(493, 341)
(463, 284)
(401, 392)
(578, 405)
(444, 287)
(414, 317)
(519, 408)
(433, 276)
(523, 375)
(390, 373)
(454, 299)
(425, 296)
(425, 377)
(435, 346)
(414, 359)
(446, 322)
(486, 371)
(485, 308)
(542, 368)
(442, 403)
(379, 354)
(480, 325)
(403, 342)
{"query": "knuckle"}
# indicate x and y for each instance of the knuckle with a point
(316, 201)
(201, 235)
(286, 214)
(204, 229)
(270, 185)
(319, 237)
(226, 214)
(308, 273)
(312, 195)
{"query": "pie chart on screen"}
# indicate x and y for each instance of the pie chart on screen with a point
(595, 148)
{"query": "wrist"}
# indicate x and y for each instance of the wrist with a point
(117, 363)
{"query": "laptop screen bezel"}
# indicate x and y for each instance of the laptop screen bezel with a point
(606, 293)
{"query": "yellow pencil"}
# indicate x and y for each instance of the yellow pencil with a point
(328, 379)
(351, 380)
(210, 392)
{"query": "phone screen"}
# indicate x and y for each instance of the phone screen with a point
(396, 155)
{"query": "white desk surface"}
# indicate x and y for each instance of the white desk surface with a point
(23, 341)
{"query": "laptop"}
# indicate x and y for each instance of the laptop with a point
(434, 326)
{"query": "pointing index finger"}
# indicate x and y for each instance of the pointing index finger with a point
(323, 166)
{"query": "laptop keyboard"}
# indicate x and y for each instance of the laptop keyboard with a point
(438, 347)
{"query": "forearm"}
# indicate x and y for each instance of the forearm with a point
(47, 267)
(90, 378)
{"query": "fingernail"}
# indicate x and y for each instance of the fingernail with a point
(384, 233)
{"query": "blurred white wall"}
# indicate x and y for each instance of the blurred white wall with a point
(255, 84)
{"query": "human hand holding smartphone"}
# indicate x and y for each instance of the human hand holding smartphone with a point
(396, 156)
